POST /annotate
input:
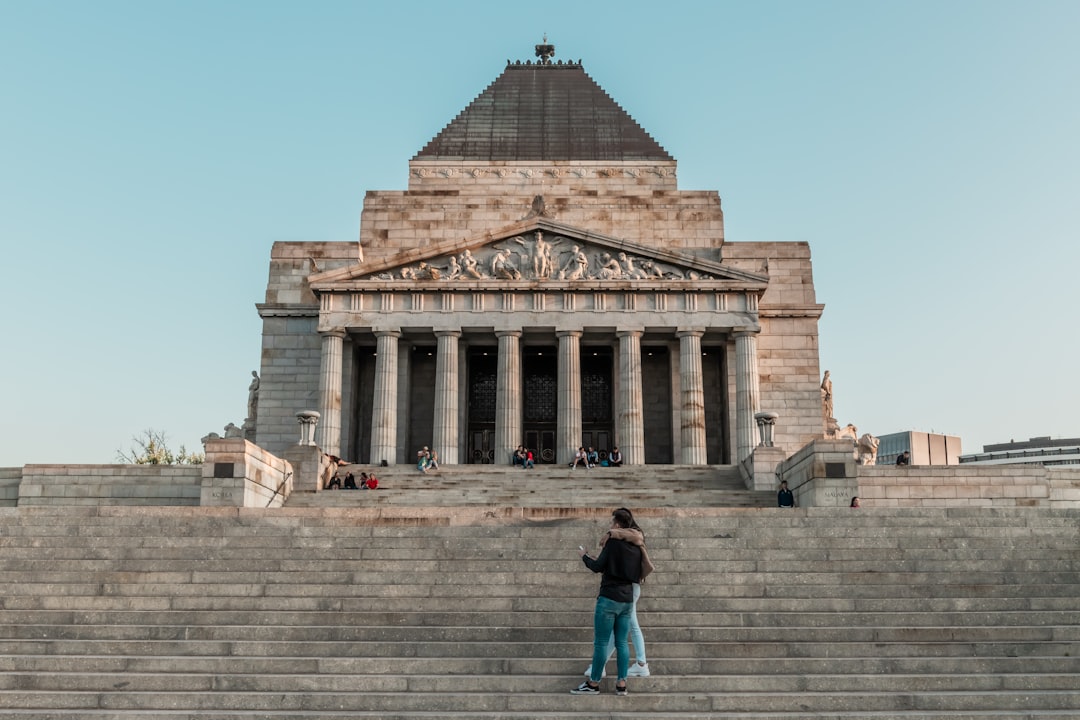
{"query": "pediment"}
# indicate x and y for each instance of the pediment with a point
(536, 251)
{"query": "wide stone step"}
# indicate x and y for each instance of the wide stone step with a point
(553, 614)
(658, 634)
(494, 700)
(579, 647)
(441, 682)
(665, 666)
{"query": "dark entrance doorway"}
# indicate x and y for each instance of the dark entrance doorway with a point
(483, 376)
(541, 402)
(596, 399)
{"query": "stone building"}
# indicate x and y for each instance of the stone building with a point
(542, 281)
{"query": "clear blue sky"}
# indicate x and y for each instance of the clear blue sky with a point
(151, 152)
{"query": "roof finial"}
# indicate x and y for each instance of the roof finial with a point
(545, 51)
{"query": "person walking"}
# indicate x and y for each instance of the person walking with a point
(620, 563)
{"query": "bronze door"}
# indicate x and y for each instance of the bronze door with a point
(596, 399)
(541, 402)
(483, 377)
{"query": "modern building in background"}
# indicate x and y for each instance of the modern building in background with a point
(1043, 450)
(925, 448)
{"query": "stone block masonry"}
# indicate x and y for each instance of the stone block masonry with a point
(109, 485)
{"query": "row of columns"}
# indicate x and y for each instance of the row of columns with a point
(508, 409)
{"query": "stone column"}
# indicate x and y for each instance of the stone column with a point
(508, 396)
(746, 393)
(445, 433)
(329, 430)
(692, 415)
(569, 420)
(384, 402)
(631, 402)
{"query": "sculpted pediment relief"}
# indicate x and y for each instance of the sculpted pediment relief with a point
(543, 251)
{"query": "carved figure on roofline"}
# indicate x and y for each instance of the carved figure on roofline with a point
(539, 258)
(502, 267)
(427, 272)
(577, 267)
(469, 268)
(453, 271)
(629, 271)
(609, 268)
(866, 449)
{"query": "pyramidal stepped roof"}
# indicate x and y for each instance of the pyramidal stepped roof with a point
(544, 111)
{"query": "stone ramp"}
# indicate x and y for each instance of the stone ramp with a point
(411, 612)
(546, 486)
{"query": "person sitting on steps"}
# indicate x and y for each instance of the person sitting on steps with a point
(615, 458)
(580, 458)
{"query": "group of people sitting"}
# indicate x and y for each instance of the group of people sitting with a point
(367, 482)
(523, 456)
(591, 458)
(427, 459)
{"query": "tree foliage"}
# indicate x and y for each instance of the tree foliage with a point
(152, 448)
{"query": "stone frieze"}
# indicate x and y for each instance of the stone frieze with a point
(537, 256)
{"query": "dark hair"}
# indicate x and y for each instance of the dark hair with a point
(854, 500)
(623, 518)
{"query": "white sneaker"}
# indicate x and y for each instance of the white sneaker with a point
(638, 670)
(588, 672)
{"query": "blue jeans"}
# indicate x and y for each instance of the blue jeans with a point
(636, 636)
(611, 617)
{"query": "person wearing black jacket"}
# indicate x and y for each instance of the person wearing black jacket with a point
(620, 563)
(785, 498)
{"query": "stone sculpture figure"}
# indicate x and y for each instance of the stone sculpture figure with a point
(866, 449)
(650, 271)
(453, 272)
(849, 431)
(629, 271)
(253, 396)
(502, 267)
(577, 267)
(469, 267)
(826, 395)
(609, 268)
(539, 260)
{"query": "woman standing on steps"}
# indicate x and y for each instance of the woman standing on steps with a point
(620, 563)
(635, 536)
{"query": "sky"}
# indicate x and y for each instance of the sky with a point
(151, 153)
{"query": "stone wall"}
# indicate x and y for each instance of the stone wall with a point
(289, 379)
(109, 485)
(240, 474)
(9, 486)
(1018, 485)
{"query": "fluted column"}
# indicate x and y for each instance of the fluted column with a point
(384, 402)
(692, 414)
(747, 402)
(508, 396)
(631, 403)
(569, 420)
(329, 430)
(445, 431)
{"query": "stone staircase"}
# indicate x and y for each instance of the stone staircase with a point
(546, 486)
(398, 611)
